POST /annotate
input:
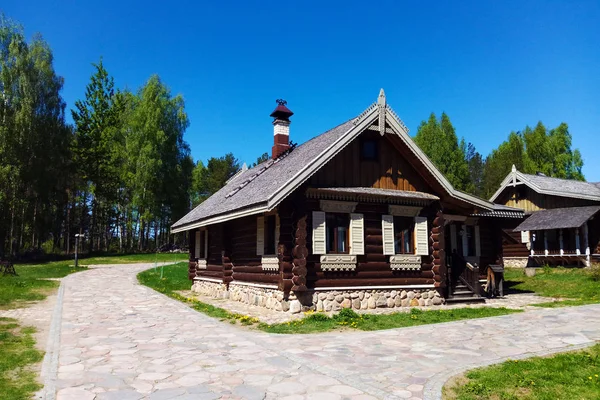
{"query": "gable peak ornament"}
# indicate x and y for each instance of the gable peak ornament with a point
(381, 104)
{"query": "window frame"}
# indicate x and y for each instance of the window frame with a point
(201, 251)
(410, 230)
(335, 228)
(376, 149)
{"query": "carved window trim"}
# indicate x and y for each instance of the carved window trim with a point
(201, 263)
(270, 263)
(331, 206)
(404, 211)
(338, 262)
(405, 262)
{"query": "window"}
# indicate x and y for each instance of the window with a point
(403, 235)
(369, 150)
(201, 245)
(337, 239)
(270, 229)
(267, 234)
(471, 243)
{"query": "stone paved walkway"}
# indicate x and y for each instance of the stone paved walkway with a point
(120, 340)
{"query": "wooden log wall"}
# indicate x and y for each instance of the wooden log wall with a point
(389, 171)
(241, 263)
(287, 211)
(373, 268)
(214, 268)
(300, 253)
(437, 251)
(529, 200)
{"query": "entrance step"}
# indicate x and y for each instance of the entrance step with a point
(465, 300)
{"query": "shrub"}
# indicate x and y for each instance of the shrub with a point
(346, 315)
(320, 317)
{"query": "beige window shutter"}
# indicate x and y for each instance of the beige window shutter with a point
(421, 236)
(260, 236)
(387, 230)
(277, 225)
(318, 232)
(197, 245)
(477, 242)
(357, 234)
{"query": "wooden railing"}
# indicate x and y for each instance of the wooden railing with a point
(464, 272)
(470, 277)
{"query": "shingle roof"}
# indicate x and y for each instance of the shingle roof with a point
(257, 185)
(558, 218)
(565, 186)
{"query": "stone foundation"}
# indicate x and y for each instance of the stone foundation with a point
(323, 300)
(515, 262)
(211, 289)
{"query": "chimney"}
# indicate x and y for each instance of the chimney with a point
(281, 129)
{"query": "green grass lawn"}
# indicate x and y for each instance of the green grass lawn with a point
(566, 376)
(32, 283)
(574, 284)
(135, 258)
(17, 379)
(175, 279)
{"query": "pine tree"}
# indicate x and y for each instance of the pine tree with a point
(438, 140)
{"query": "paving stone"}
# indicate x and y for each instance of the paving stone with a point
(74, 394)
(249, 392)
(121, 339)
(120, 395)
(166, 394)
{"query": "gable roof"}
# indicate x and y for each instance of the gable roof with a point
(551, 186)
(262, 188)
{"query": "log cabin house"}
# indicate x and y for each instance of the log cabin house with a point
(357, 217)
(562, 225)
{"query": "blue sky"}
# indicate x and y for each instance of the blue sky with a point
(491, 66)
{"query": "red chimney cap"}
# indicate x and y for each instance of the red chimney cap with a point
(281, 111)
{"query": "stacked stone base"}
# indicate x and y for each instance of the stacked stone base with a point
(371, 299)
(330, 300)
(515, 262)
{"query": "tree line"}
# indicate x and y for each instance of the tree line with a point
(122, 173)
(531, 150)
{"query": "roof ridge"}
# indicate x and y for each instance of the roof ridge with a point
(559, 179)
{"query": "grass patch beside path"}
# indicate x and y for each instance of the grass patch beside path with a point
(17, 354)
(574, 284)
(175, 279)
(562, 377)
(32, 283)
(135, 258)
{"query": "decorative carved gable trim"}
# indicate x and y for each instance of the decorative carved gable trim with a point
(330, 206)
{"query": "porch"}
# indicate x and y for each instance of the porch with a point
(563, 236)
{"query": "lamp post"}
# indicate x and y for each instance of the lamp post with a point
(77, 236)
